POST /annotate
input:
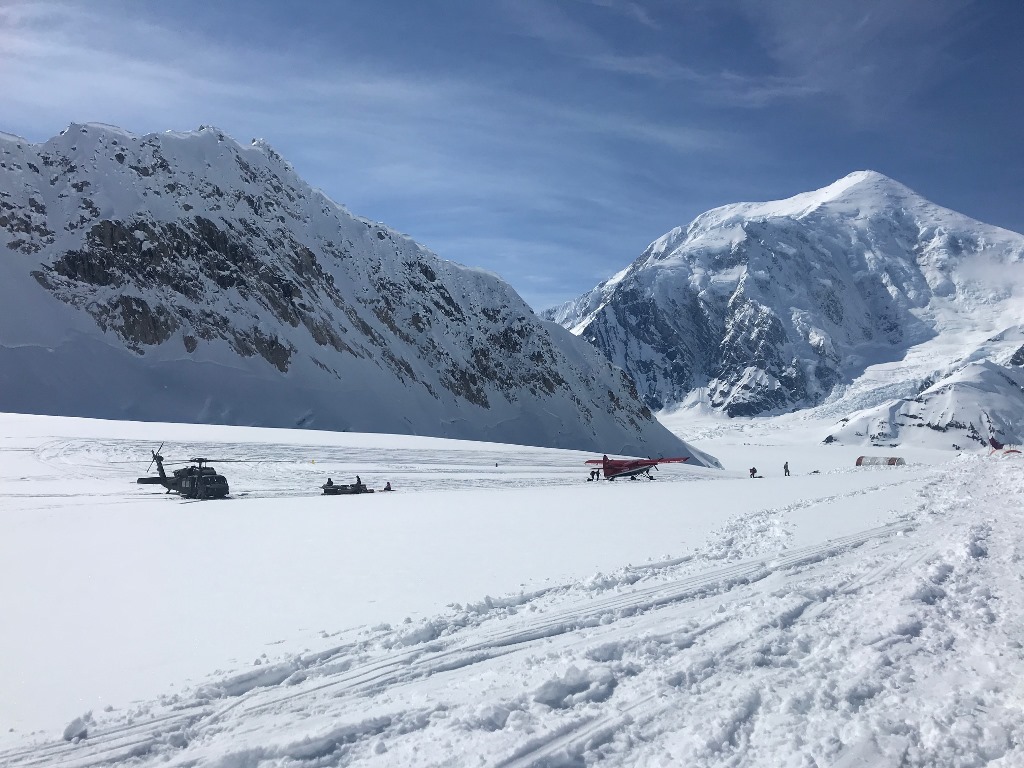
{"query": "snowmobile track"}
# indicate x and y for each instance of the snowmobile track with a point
(170, 733)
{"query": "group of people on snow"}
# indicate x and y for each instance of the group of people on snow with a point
(359, 484)
(785, 470)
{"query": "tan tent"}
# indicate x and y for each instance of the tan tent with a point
(880, 461)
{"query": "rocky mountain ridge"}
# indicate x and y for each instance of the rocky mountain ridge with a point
(184, 277)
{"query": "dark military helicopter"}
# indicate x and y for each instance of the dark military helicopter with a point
(197, 481)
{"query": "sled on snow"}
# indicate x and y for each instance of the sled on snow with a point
(345, 490)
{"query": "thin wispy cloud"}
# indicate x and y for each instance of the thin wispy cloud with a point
(548, 23)
(63, 59)
(53, 51)
(658, 67)
(734, 89)
(871, 56)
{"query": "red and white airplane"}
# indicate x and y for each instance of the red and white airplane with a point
(631, 468)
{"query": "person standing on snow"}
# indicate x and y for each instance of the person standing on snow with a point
(785, 469)
(753, 471)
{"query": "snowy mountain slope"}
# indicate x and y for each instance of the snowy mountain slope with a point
(976, 402)
(772, 306)
(181, 276)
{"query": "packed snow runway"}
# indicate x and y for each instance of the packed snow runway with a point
(497, 609)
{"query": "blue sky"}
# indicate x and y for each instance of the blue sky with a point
(550, 140)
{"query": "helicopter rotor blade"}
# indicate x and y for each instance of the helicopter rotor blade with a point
(154, 457)
(220, 461)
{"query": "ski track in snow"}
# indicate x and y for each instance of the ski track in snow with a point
(899, 644)
(453, 653)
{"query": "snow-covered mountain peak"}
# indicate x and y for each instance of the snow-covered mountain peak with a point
(772, 305)
(184, 276)
(857, 195)
(861, 195)
(864, 185)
